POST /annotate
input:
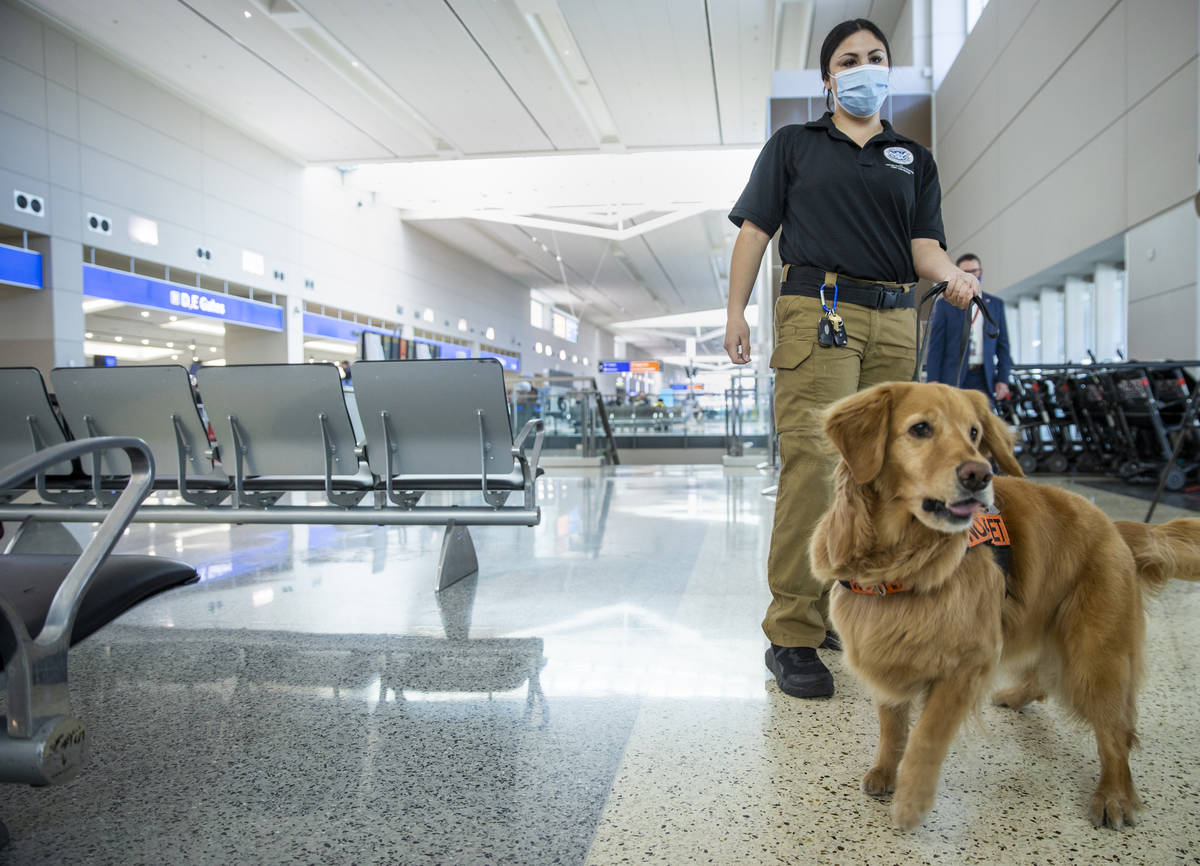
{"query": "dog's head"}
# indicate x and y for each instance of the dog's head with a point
(925, 447)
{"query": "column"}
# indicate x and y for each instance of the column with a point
(293, 326)
(1031, 329)
(1051, 301)
(255, 346)
(1079, 321)
(44, 329)
(1110, 312)
(1012, 317)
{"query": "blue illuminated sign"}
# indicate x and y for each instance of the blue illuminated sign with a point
(509, 362)
(614, 366)
(148, 292)
(20, 267)
(337, 329)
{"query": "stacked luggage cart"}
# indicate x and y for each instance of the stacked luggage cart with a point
(1122, 419)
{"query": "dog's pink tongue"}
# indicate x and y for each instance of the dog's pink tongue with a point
(965, 508)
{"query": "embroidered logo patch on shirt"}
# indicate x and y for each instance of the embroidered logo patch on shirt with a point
(899, 155)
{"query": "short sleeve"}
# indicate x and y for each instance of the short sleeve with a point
(928, 220)
(762, 201)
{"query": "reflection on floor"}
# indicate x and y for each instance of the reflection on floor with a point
(596, 695)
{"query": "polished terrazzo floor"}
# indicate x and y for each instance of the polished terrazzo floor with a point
(595, 695)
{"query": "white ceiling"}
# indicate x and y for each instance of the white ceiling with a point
(352, 81)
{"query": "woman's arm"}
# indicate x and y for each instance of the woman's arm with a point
(931, 263)
(744, 263)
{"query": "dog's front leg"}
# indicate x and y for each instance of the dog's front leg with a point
(893, 736)
(946, 706)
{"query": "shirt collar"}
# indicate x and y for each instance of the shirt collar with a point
(825, 122)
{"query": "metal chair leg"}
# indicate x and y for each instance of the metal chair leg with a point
(458, 558)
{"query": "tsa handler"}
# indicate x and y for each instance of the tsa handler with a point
(859, 209)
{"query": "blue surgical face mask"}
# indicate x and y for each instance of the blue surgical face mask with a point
(862, 89)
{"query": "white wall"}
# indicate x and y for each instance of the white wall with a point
(1065, 122)
(91, 135)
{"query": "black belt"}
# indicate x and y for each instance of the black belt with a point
(873, 296)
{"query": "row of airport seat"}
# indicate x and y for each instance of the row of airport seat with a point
(279, 429)
(436, 425)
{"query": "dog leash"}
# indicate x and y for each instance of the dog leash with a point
(993, 330)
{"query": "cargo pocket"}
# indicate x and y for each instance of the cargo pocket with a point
(790, 355)
(807, 380)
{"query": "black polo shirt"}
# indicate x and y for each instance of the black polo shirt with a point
(843, 208)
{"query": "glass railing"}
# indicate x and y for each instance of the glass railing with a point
(579, 417)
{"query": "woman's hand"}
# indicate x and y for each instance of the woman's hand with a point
(961, 287)
(737, 339)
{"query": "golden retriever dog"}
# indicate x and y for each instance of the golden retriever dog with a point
(926, 619)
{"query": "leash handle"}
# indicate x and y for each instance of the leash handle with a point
(991, 328)
(934, 290)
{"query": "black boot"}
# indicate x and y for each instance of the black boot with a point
(831, 642)
(799, 672)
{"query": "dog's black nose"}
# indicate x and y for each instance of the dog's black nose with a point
(974, 475)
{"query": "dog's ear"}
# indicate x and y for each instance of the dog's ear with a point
(998, 439)
(858, 427)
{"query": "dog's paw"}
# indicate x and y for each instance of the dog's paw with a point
(1114, 809)
(1016, 697)
(879, 781)
(907, 813)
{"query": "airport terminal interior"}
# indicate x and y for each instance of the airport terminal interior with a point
(339, 262)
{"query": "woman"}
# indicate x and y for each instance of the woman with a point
(860, 210)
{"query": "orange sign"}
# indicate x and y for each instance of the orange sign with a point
(645, 366)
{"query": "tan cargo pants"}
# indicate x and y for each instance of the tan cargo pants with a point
(808, 378)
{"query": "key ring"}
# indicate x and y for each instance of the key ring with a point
(835, 297)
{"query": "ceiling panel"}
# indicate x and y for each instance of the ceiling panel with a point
(177, 48)
(422, 51)
(505, 37)
(652, 63)
(742, 51)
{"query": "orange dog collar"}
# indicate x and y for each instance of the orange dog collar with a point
(876, 589)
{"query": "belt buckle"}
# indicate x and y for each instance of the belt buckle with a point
(889, 299)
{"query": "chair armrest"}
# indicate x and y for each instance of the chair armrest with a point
(518, 450)
(30, 701)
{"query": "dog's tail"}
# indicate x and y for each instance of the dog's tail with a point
(1166, 551)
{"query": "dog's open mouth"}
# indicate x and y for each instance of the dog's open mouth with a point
(962, 510)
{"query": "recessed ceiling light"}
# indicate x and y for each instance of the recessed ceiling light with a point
(145, 314)
(246, 12)
(170, 345)
(145, 342)
(119, 339)
(212, 348)
(88, 335)
(354, 63)
(173, 318)
(192, 346)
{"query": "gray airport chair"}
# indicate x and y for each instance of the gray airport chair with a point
(444, 425)
(62, 600)
(284, 427)
(153, 403)
(29, 424)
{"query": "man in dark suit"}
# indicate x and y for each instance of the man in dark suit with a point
(988, 362)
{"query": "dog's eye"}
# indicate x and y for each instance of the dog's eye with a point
(921, 430)
(974, 434)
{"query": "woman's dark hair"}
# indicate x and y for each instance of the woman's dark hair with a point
(838, 34)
